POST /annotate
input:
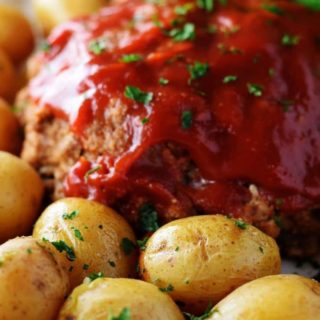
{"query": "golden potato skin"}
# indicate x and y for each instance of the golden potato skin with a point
(288, 297)
(53, 12)
(10, 135)
(16, 37)
(206, 257)
(106, 298)
(20, 196)
(32, 286)
(7, 76)
(102, 231)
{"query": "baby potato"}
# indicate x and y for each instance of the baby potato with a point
(288, 297)
(203, 258)
(90, 237)
(16, 37)
(32, 286)
(119, 299)
(10, 137)
(53, 12)
(7, 75)
(20, 197)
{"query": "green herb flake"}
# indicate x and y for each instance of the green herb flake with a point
(261, 250)
(206, 315)
(97, 46)
(29, 251)
(45, 46)
(177, 249)
(95, 275)
(85, 266)
(186, 33)
(278, 221)
(273, 9)
(112, 263)
(255, 89)
(77, 234)
(163, 81)
(143, 243)
(197, 70)
(184, 9)
(241, 224)
(92, 171)
(136, 94)
(129, 58)
(229, 79)
(212, 28)
(186, 119)
(61, 246)
(169, 288)
(311, 4)
(148, 218)
(71, 215)
(290, 40)
(207, 5)
(271, 72)
(145, 121)
(127, 246)
(125, 314)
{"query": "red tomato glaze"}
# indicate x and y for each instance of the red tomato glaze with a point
(252, 117)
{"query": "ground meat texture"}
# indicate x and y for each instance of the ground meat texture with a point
(141, 104)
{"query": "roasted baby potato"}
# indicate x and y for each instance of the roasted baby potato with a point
(288, 297)
(53, 12)
(203, 258)
(7, 76)
(20, 196)
(32, 286)
(119, 299)
(16, 37)
(10, 137)
(91, 238)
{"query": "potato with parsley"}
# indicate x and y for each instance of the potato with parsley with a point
(32, 285)
(287, 297)
(203, 258)
(89, 238)
(53, 12)
(7, 76)
(20, 197)
(10, 136)
(125, 299)
(16, 36)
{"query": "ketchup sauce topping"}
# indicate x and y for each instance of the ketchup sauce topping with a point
(236, 85)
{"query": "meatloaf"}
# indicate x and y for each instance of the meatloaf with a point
(176, 108)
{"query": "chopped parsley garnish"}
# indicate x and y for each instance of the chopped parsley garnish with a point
(77, 234)
(148, 218)
(62, 246)
(273, 9)
(255, 89)
(29, 251)
(207, 5)
(127, 246)
(125, 314)
(184, 9)
(312, 4)
(143, 243)
(45, 46)
(136, 94)
(197, 70)
(241, 224)
(186, 33)
(290, 40)
(71, 215)
(169, 288)
(112, 263)
(92, 171)
(95, 275)
(97, 46)
(163, 81)
(85, 266)
(229, 79)
(145, 120)
(129, 58)
(207, 314)
(186, 119)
